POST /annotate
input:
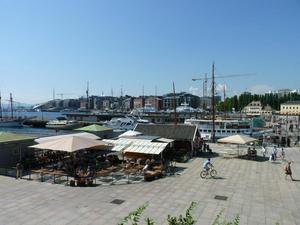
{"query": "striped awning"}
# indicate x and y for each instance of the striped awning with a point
(146, 147)
(137, 146)
(119, 144)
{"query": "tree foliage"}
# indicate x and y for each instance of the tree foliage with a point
(239, 102)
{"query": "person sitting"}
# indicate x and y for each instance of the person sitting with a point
(148, 168)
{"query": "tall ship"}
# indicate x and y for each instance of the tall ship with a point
(223, 128)
(9, 121)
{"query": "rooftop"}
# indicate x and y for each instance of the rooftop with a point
(291, 103)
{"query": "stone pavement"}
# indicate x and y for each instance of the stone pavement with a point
(256, 191)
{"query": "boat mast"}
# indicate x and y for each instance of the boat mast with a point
(87, 106)
(213, 103)
(0, 107)
(11, 106)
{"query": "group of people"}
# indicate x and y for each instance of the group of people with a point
(274, 154)
(207, 165)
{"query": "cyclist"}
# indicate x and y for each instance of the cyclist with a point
(207, 164)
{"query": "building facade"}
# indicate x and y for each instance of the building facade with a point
(290, 108)
(180, 99)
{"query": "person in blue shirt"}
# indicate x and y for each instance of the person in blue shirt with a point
(207, 164)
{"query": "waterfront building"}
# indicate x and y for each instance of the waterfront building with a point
(128, 103)
(180, 98)
(154, 101)
(290, 108)
(255, 108)
(139, 102)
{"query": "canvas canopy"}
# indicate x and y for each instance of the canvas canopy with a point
(82, 134)
(237, 139)
(70, 144)
(94, 128)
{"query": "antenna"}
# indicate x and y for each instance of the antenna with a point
(11, 105)
(53, 93)
(224, 103)
(121, 91)
(205, 85)
(87, 96)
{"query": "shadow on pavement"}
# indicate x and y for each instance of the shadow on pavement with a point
(219, 178)
(257, 158)
(207, 155)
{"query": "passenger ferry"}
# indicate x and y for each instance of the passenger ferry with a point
(223, 128)
(62, 123)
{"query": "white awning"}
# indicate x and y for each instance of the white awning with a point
(119, 144)
(166, 140)
(137, 146)
(146, 147)
(56, 137)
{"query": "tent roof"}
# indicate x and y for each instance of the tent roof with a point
(10, 137)
(82, 134)
(94, 128)
(69, 144)
(237, 139)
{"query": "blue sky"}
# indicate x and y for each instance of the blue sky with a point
(132, 44)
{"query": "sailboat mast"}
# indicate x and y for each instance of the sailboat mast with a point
(11, 106)
(0, 107)
(213, 103)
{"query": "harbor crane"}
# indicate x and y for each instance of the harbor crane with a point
(213, 77)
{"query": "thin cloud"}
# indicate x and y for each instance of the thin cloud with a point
(194, 91)
(260, 89)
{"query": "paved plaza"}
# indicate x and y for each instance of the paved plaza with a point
(256, 190)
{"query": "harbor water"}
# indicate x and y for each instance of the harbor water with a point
(36, 132)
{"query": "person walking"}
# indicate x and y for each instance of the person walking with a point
(282, 154)
(288, 170)
(19, 170)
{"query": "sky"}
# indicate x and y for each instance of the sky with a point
(142, 46)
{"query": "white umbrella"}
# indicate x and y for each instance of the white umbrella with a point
(130, 133)
(56, 137)
(237, 139)
(70, 144)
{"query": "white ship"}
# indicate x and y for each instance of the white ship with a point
(62, 123)
(223, 128)
(119, 124)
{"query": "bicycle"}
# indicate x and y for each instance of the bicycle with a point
(212, 172)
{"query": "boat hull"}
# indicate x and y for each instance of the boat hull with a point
(12, 123)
